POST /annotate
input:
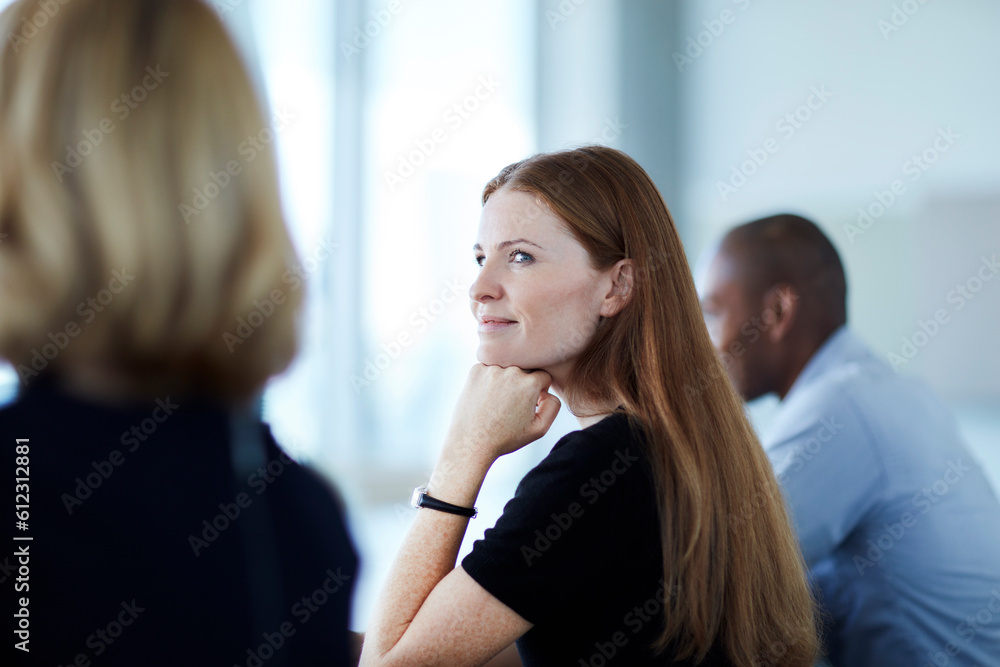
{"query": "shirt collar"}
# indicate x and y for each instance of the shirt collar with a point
(840, 346)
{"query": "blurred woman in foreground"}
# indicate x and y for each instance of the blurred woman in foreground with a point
(167, 527)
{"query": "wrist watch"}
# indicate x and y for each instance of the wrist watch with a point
(420, 499)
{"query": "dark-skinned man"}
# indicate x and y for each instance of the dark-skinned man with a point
(899, 527)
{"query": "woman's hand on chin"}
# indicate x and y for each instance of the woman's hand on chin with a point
(499, 411)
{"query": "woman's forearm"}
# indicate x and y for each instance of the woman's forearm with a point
(499, 411)
(428, 554)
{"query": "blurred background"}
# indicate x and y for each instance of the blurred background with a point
(875, 118)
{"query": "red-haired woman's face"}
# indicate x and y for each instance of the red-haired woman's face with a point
(537, 299)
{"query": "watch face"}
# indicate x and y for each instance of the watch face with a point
(417, 496)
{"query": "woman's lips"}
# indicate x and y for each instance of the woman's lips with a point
(495, 324)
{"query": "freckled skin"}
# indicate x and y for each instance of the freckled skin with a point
(549, 288)
(537, 282)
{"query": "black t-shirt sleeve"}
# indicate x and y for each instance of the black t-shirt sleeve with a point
(571, 524)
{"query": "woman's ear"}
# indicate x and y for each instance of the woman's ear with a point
(622, 276)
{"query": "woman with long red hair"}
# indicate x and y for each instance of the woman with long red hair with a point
(654, 535)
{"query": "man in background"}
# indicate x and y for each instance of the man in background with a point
(898, 525)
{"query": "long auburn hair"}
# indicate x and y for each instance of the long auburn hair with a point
(729, 552)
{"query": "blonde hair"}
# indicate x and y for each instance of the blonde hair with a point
(729, 551)
(140, 230)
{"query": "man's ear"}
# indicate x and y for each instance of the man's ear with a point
(622, 287)
(781, 306)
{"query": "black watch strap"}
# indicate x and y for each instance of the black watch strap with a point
(422, 500)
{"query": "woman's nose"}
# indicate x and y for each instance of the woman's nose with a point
(485, 287)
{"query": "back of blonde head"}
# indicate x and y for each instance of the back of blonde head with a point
(121, 126)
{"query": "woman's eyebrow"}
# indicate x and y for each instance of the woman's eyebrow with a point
(505, 244)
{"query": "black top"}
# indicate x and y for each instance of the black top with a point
(134, 562)
(577, 552)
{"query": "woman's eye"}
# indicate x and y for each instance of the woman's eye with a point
(516, 256)
(520, 257)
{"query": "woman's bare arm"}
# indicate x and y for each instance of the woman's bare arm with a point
(432, 613)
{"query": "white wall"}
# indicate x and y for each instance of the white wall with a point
(892, 93)
(889, 93)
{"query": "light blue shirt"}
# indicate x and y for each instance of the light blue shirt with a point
(899, 527)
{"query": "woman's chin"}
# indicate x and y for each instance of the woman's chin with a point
(490, 359)
(498, 358)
